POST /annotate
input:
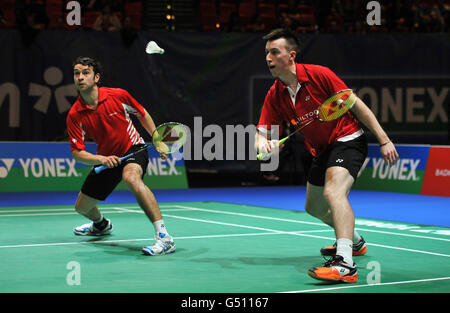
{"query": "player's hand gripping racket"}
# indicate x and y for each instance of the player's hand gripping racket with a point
(332, 108)
(166, 139)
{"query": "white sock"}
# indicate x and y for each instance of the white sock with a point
(344, 249)
(160, 229)
(356, 237)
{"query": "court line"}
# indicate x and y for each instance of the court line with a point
(370, 285)
(53, 214)
(186, 208)
(310, 223)
(307, 235)
(124, 210)
(99, 241)
(400, 234)
(73, 212)
(293, 233)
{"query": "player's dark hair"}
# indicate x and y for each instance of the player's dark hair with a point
(87, 61)
(292, 41)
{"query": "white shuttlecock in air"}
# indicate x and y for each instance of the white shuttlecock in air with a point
(152, 48)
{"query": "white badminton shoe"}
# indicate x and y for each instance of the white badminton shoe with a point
(164, 245)
(90, 230)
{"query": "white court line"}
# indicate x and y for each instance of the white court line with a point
(100, 241)
(124, 210)
(400, 234)
(53, 214)
(307, 235)
(303, 222)
(289, 233)
(72, 212)
(252, 215)
(371, 285)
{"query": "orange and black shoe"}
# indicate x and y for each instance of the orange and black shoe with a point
(359, 248)
(335, 270)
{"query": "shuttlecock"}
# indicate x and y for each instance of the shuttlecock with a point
(152, 48)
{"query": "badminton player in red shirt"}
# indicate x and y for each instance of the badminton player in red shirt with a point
(103, 114)
(339, 147)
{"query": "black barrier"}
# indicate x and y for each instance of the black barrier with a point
(222, 78)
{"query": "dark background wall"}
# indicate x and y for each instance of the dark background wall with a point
(220, 76)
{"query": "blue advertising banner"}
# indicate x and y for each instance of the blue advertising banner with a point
(45, 166)
(406, 175)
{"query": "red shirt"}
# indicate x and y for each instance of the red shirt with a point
(317, 83)
(109, 125)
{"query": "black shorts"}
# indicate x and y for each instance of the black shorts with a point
(99, 186)
(350, 155)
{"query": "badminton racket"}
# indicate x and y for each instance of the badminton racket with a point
(166, 139)
(331, 109)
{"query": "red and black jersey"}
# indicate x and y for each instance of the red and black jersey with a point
(317, 83)
(109, 125)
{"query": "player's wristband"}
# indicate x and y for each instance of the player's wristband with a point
(383, 144)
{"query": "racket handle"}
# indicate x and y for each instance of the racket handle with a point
(263, 155)
(99, 169)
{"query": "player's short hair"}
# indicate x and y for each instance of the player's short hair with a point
(292, 41)
(88, 61)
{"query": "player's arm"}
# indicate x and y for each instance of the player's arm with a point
(263, 143)
(82, 156)
(150, 126)
(147, 122)
(366, 116)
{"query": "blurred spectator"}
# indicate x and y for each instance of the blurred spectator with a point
(128, 32)
(234, 24)
(98, 5)
(256, 24)
(3, 22)
(437, 22)
(31, 14)
(107, 20)
(289, 16)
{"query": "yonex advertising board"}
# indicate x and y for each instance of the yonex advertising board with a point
(406, 175)
(48, 166)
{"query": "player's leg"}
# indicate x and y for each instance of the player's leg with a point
(341, 266)
(343, 164)
(132, 177)
(338, 182)
(316, 204)
(96, 188)
(87, 206)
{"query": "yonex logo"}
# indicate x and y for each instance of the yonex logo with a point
(339, 160)
(4, 170)
(404, 169)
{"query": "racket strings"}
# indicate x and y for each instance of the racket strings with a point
(337, 105)
(172, 139)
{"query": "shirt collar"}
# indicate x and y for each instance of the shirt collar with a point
(81, 104)
(301, 75)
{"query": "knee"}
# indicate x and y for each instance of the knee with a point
(132, 181)
(330, 194)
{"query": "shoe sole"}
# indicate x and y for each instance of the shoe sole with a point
(330, 251)
(146, 251)
(344, 279)
(81, 234)
(94, 234)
